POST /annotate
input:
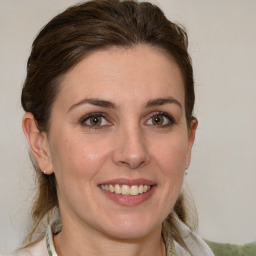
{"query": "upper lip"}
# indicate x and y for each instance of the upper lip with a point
(130, 182)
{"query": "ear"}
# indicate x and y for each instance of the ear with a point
(191, 138)
(38, 143)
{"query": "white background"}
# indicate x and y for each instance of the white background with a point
(222, 175)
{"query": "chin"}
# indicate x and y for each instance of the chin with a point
(131, 229)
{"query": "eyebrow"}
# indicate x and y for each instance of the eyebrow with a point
(108, 104)
(162, 101)
(95, 102)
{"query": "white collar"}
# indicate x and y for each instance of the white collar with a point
(194, 242)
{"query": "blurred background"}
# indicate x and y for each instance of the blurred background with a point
(222, 174)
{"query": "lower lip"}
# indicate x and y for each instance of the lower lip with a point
(129, 200)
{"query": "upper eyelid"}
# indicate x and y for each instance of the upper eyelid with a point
(93, 114)
(87, 116)
(161, 113)
(172, 120)
(106, 116)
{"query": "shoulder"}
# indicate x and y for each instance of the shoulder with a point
(38, 249)
(193, 242)
(225, 249)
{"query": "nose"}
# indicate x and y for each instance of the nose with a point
(131, 148)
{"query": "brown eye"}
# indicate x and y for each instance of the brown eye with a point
(95, 121)
(157, 120)
(161, 120)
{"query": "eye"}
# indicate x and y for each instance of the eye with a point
(161, 119)
(94, 120)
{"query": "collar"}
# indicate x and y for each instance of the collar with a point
(55, 227)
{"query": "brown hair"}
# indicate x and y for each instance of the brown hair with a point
(75, 33)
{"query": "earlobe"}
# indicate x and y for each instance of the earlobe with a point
(38, 143)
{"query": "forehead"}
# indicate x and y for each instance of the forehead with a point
(123, 75)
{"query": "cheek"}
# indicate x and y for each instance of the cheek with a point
(171, 155)
(76, 156)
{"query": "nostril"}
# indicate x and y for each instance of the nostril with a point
(132, 164)
(130, 150)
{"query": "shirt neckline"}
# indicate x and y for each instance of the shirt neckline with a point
(55, 227)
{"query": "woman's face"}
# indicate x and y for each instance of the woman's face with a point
(118, 141)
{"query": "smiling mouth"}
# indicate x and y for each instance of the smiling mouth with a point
(126, 190)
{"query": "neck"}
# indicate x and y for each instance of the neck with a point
(81, 243)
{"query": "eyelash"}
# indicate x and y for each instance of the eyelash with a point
(84, 119)
(171, 120)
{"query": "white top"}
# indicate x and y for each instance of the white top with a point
(195, 243)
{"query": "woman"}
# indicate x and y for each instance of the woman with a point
(109, 99)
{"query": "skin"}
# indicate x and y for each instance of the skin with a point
(127, 144)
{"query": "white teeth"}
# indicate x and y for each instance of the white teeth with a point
(118, 189)
(141, 189)
(134, 190)
(111, 188)
(126, 190)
